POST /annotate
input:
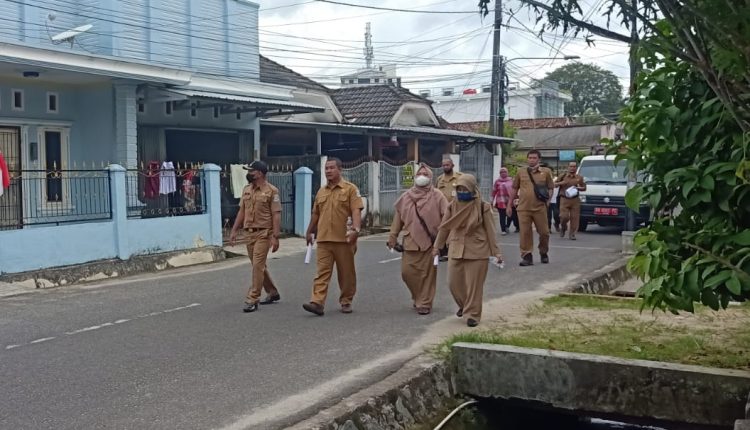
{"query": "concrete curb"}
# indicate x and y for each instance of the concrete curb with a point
(606, 279)
(20, 283)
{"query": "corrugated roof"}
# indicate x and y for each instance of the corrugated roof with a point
(261, 102)
(272, 72)
(581, 137)
(373, 104)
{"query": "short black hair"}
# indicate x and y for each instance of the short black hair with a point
(337, 160)
(534, 151)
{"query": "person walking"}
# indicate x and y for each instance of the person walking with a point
(260, 217)
(446, 184)
(570, 186)
(553, 210)
(419, 212)
(335, 204)
(469, 227)
(501, 198)
(533, 187)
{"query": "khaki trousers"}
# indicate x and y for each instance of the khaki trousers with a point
(466, 282)
(420, 275)
(539, 219)
(341, 254)
(570, 210)
(257, 250)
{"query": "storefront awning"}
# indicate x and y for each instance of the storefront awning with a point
(263, 107)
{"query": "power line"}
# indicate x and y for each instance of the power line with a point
(396, 10)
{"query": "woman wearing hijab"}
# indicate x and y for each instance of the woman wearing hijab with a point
(419, 212)
(501, 199)
(469, 229)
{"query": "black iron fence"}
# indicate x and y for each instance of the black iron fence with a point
(152, 192)
(38, 197)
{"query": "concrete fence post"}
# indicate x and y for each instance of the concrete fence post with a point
(211, 178)
(323, 180)
(302, 200)
(119, 206)
(375, 192)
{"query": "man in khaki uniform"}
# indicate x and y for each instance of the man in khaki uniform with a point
(531, 209)
(260, 217)
(446, 182)
(334, 204)
(570, 207)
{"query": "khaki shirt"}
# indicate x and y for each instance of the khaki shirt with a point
(447, 184)
(333, 205)
(570, 181)
(527, 200)
(260, 203)
(479, 242)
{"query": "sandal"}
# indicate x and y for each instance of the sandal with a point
(423, 311)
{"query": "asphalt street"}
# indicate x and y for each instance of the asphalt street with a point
(174, 350)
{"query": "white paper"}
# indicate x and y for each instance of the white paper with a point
(436, 260)
(308, 254)
(571, 192)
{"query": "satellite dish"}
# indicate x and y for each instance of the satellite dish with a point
(70, 35)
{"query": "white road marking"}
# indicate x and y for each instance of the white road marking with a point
(389, 260)
(103, 325)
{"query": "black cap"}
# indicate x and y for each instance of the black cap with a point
(257, 165)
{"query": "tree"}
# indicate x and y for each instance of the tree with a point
(591, 87)
(687, 126)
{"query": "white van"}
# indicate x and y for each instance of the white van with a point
(603, 202)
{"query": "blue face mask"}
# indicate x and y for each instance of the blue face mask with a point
(464, 196)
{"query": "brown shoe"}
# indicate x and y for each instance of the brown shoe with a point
(346, 309)
(314, 308)
(572, 237)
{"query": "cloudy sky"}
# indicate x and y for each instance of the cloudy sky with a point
(431, 51)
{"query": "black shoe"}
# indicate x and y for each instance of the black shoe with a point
(545, 258)
(460, 313)
(313, 308)
(250, 307)
(527, 260)
(472, 322)
(270, 299)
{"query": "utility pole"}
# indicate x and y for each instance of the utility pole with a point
(634, 66)
(497, 111)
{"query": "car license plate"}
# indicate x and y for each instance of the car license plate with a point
(606, 211)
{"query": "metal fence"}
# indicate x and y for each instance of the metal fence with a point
(479, 161)
(156, 193)
(39, 197)
(284, 181)
(359, 176)
(394, 180)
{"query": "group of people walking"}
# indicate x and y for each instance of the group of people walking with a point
(434, 220)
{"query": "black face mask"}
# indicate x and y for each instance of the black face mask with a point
(250, 177)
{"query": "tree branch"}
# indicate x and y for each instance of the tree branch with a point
(603, 32)
(741, 273)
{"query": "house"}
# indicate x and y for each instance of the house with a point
(84, 87)
(473, 105)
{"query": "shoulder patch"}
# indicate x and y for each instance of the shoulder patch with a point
(276, 198)
(358, 193)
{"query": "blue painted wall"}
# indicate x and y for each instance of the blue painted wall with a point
(208, 36)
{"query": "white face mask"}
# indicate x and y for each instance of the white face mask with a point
(422, 181)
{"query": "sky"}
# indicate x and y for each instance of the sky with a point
(431, 51)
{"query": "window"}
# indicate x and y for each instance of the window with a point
(363, 81)
(217, 112)
(17, 99)
(168, 108)
(447, 92)
(377, 80)
(424, 93)
(193, 111)
(351, 81)
(486, 88)
(238, 115)
(52, 103)
(141, 108)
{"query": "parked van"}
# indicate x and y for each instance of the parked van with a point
(603, 202)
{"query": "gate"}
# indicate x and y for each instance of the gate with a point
(479, 161)
(11, 217)
(394, 180)
(284, 181)
(360, 176)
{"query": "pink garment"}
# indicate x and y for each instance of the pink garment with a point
(501, 192)
(5, 173)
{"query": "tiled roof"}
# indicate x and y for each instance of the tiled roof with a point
(471, 127)
(541, 122)
(577, 137)
(272, 72)
(373, 104)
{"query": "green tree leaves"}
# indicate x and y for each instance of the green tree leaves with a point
(593, 89)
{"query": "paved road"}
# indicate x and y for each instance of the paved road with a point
(175, 350)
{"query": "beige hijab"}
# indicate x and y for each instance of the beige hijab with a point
(466, 215)
(431, 206)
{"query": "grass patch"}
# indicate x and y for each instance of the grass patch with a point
(613, 327)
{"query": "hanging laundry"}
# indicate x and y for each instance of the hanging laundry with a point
(167, 178)
(237, 176)
(151, 184)
(5, 182)
(2, 189)
(188, 191)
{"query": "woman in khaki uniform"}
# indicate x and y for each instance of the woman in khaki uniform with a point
(419, 212)
(469, 229)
